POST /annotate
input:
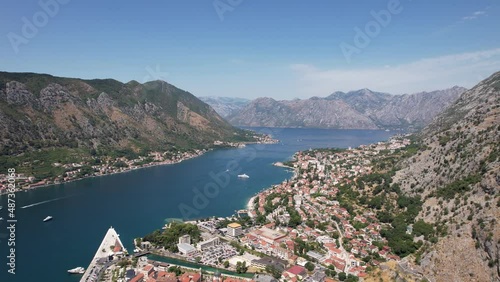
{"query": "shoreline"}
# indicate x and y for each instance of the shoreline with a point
(153, 164)
(250, 204)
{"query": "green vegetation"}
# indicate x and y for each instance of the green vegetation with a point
(41, 164)
(42, 140)
(175, 269)
(295, 218)
(241, 267)
(391, 204)
(276, 273)
(422, 228)
(330, 271)
(309, 266)
(458, 187)
(170, 236)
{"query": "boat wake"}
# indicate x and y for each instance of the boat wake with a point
(44, 202)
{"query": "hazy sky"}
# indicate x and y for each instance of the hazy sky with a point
(250, 48)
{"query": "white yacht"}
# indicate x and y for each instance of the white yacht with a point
(243, 176)
(77, 270)
(47, 218)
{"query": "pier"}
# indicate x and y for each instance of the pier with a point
(110, 251)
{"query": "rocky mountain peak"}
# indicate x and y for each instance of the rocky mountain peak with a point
(360, 109)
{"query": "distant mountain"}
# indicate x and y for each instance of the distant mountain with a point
(225, 106)
(457, 174)
(40, 111)
(361, 109)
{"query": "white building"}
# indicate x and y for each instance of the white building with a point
(234, 229)
(185, 239)
(186, 249)
(208, 243)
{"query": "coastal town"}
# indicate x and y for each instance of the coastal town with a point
(99, 166)
(299, 230)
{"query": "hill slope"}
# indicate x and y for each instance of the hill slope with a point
(362, 109)
(457, 173)
(225, 106)
(39, 111)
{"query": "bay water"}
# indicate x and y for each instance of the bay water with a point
(136, 203)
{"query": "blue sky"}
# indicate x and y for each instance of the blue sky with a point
(283, 49)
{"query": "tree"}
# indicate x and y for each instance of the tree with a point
(422, 228)
(352, 278)
(175, 269)
(226, 264)
(241, 267)
(276, 273)
(342, 276)
(138, 242)
(309, 266)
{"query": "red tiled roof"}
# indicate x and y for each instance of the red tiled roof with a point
(296, 269)
(137, 277)
(117, 247)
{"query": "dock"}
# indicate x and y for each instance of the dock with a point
(110, 250)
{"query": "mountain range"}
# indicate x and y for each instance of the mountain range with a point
(40, 111)
(225, 106)
(361, 109)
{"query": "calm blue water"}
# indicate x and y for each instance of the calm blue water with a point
(138, 202)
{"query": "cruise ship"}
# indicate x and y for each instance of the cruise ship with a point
(243, 176)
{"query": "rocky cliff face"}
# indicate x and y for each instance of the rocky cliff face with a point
(41, 111)
(225, 106)
(362, 109)
(457, 174)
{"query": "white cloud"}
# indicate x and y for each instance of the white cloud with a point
(461, 22)
(474, 15)
(465, 69)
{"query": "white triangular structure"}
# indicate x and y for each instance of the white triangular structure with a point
(111, 246)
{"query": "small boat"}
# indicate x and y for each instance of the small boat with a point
(77, 270)
(1, 218)
(47, 218)
(243, 176)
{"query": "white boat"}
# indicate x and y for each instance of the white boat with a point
(243, 176)
(47, 218)
(77, 270)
